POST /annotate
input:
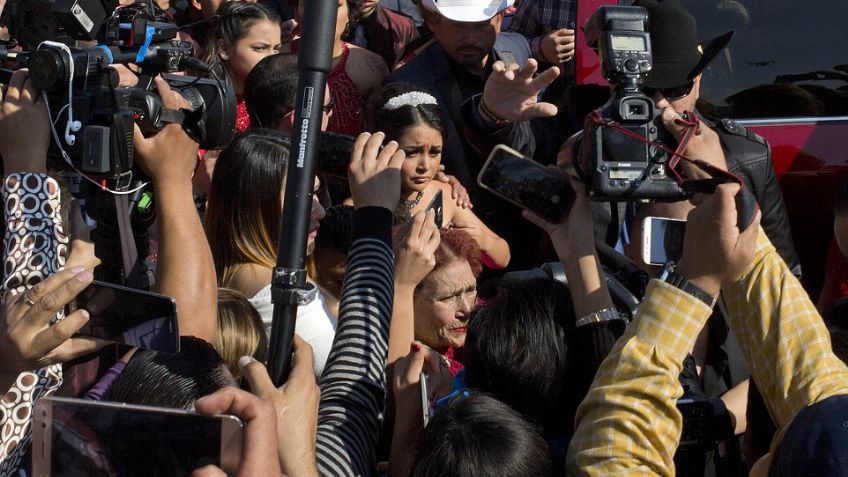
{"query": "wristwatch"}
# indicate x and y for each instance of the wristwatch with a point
(669, 276)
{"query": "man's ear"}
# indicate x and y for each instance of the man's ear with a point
(195, 4)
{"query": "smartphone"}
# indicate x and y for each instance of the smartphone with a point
(129, 316)
(97, 438)
(427, 410)
(662, 240)
(437, 205)
(526, 183)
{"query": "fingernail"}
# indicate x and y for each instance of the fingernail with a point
(85, 313)
(85, 276)
(77, 269)
(244, 361)
(415, 347)
(392, 142)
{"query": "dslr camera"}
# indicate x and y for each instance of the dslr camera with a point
(93, 116)
(625, 151)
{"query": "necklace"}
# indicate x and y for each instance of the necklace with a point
(403, 212)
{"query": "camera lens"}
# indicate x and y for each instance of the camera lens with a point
(47, 69)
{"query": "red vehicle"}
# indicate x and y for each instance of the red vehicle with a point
(785, 76)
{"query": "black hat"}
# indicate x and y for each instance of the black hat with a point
(678, 56)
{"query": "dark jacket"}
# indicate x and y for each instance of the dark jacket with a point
(749, 156)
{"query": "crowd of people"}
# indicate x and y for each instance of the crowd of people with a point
(426, 348)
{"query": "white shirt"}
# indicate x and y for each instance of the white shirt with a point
(315, 325)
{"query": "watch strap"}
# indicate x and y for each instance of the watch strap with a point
(672, 278)
(606, 314)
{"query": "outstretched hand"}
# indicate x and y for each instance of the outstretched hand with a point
(374, 172)
(512, 94)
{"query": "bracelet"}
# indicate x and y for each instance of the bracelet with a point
(490, 116)
(600, 316)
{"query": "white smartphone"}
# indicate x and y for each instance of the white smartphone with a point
(662, 240)
(81, 437)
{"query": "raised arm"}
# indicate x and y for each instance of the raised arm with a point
(185, 270)
(782, 336)
(633, 398)
(414, 259)
(353, 383)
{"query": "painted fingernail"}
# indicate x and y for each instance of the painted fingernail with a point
(244, 361)
(415, 347)
(77, 269)
(84, 313)
(85, 276)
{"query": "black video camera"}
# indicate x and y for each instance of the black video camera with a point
(93, 116)
(624, 154)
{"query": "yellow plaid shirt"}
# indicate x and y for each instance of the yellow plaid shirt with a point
(629, 424)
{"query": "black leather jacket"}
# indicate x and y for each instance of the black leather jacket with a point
(749, 156)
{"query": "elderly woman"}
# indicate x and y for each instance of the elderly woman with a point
(436, 286)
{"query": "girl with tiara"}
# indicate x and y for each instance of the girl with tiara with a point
(412, 118)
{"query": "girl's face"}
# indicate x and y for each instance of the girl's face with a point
(423, 147)
(262, 39)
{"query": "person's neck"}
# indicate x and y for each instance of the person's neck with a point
(238, 86)
(409, 195)
(337, 48)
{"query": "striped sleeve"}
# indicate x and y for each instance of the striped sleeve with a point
(353, 383)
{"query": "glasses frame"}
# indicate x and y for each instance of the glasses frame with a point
(672, 94)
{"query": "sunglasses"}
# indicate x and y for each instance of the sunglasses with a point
(672, 94)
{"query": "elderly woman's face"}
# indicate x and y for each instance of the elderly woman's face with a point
(443, 303)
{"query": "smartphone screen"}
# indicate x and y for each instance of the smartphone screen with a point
(134, 317)
(663, 240)
(437, 205)
(527, 184)
(94, 438)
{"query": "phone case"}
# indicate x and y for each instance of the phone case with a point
(551, 206)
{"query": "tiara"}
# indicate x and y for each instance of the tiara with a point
(412, 98)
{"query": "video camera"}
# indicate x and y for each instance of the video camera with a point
(624, 153)
(81, 85)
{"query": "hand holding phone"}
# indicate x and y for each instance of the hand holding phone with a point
(437, 206)
(81, 437)
(134, 317)
(662, 240)
(527, 184)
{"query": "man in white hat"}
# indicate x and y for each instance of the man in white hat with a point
(455, 68)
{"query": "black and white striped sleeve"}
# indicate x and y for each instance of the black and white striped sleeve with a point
(353, 383)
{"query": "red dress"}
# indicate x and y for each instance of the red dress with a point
(348, 117)
(242, 118)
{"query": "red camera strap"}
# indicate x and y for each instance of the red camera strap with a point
(692, 123)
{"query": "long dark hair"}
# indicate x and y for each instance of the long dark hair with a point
(394, 122)
(244, 208)
(516, 349)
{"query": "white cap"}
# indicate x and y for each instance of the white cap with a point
(467, 10)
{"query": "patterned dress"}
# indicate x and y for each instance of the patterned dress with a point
(35, 248)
